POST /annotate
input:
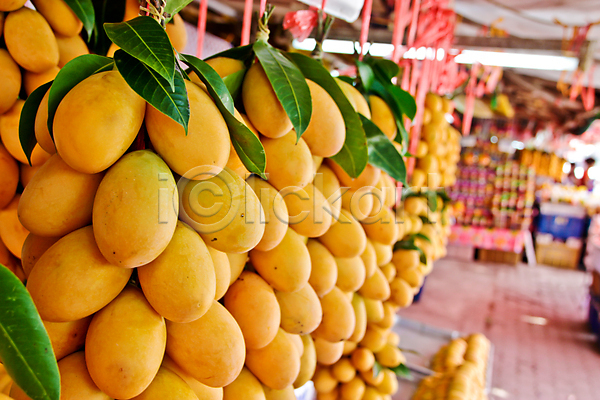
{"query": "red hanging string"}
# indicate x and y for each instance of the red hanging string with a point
(366, 22)
(202, 8)
(412, 32)
(589, 97)
(247, 22)
(470, 100)
(323, 4)
(263, 7)
(397, 34)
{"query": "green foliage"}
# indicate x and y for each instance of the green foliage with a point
(27, 119)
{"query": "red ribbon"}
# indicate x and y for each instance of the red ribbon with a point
(588, 97)
(247, 22)
(202, 8)
(364, 30)
(301, 23)
(263, 7)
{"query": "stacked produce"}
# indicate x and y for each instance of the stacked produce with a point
(460, 368)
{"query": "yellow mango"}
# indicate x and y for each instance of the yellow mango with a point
(135, 210)
(202, 391)
(338, 317)
(287, 266)
(405, 259)
(325, 382)
(347, 89)
(382, 116)
(75, 380)
(381, 227)
(389, 356)
(360, 316)
(245, 387)
(225, 211)
(301, 311)
(284, 394)
(389, 384)
(351, 273)
(67, 337)
(42, 134)
(180, 283)
(9, 177)
(317, 161)
(289, 163)
(326, 132)
(375, 311)
(85, 109)
(177, 33)
(434, 102)
(323, 273)
(297, 341)
(33, 80)
(369, 258)
(309, 211)
(73, 280)
(343, 371)
(383, 252)
(308, 361)
(346, 237)
(9, 133)
(393, 339)
(388, 190)
(70, 48)
(401, 292)
(167, 384)
(211, 349)
(27, 172)
(12, 232)
(11, 5)
(225, 66)
(10, 80)
(276, 213)
(375, 338)
(413, 277)
(222, 271)
(362, 359)
(361, 105)
(358, 202)
(125, 345)
(60, 16)
(58, 199)
(188, 154)
(353, 390)
(262, 106)
(277, 364)
(30, 40)
(327, 182)
(237, 262)
(33, 248)
(349, 347)
(252, 303)
(369, 177)
(389, 315)
(376, 287)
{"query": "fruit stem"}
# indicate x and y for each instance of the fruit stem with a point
(154, 9)
(263, 24)
(323, 27)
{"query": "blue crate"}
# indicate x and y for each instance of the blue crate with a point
(561, 227)
(594, 316)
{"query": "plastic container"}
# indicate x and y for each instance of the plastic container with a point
(348, 10)
(562, 221)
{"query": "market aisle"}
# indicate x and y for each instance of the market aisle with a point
(556, 361)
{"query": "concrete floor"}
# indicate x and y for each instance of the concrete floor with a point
(536, 318)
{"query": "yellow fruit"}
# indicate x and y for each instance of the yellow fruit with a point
(328, 353)
(375, 310)
(405, 259)
(389, 384)
(67, 337)
(301, 311)
(308, 361)
(358, 202)
(372, 380)
(60, 16)
(33, 80)
(323, 273)
(309, 212)
(225, 211)
(348, 92)
(369, 177)
(422, 149)
(346, 237)
(324, 381)
(220, 262)
(382, 116)
(167, 384)
(433, 102)
(75, 380)
(412, 276)
(86, 109)
(447, 105)
(202, 391)
(9, 177)
(401, 292)
(276, 365)
(10, 80)
(180, 283)
(426, 116)
(418, 179)
(414, 205)
(376, 287)
(9, 133)
(297, 342)
(177, 33)
(327, 183)
(235, 163)
(11, 5)
(351, 273)
(349, 347)
(416, 223)
(42, 134)
(225, 66)
(70, 48)
(287, 267)
(134, 192)
(369, 258)
(187, 154)
(252, 303)
(389, 356)
(363, 359)
(375, 338)
(289, 163)
(30, 40)
(360, 315)
(361, 105)
(210, 349)
(125, 345)
(338, 317)
(383, 253)
(237, 262)
(326, 132)
(389, 315)
(276, 213)
(284, 394)
(244, 387)
(58, 199)
(12, 232)
(393, 339)
(343, 371)
(33, 248)
(262, 106)
(389, 271)
(381, 227)
(353, 390)
(317, 161)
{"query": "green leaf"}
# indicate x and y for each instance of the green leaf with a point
(243, 53)
(155, 89)
(144, 39)
(245, 142)
(421, 236)
(377, 368)
(84, 9)
(70, 75)
(404, 100)
(234, 82)
(366, 74)
(25, 349)
(432, 200)
(288, 83)
(382, 152)
(384, 69)
(402, 371)
(354, 155)
(346, 79)
(27, 119)
(105, 11)
(174, 6)
(425, 220)
(410, 245)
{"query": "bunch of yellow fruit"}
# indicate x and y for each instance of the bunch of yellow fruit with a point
(461, 371)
